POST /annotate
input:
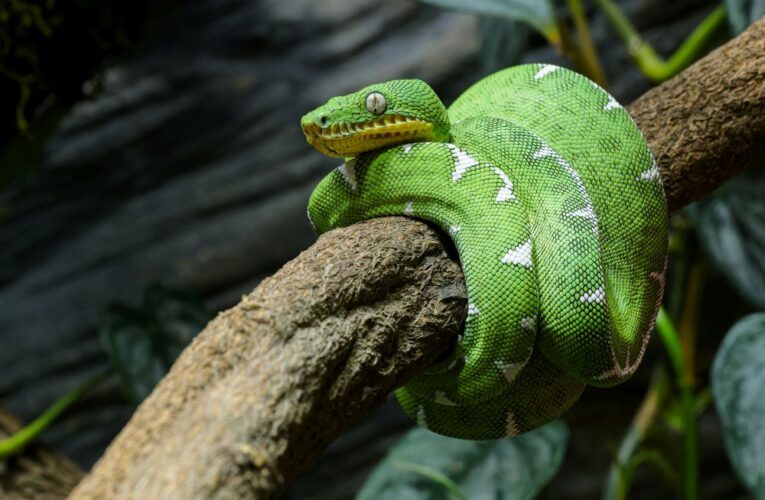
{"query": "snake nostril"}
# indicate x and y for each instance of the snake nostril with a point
(323, 120)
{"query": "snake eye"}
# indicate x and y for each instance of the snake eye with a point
(376, 103)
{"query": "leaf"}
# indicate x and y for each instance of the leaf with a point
(143, 343)
(133, 350)
(673, 410)
(424, 465)
(731, 228)
(742, 13)
(504, 42)
(738, 388)
(539, 14)
(179, 315)
(658, 461)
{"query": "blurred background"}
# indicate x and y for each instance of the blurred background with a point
(152, 170)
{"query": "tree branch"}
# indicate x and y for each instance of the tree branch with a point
(272, 381)
(707, 124)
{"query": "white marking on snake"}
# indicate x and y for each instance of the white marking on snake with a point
(408, 147)
(462, 161)
(506, 191)
(545, 70)
(547, 152)
(651, 174)
(453, 230)
(441, 398)
(349, 173)
(520, 255)
(598, 295)
(510, 370)
(408, 210)
(612, 103)
(585, 213)
(529, 323)
(422, 419)
(512, 428)
(308, 213)
(472, 309)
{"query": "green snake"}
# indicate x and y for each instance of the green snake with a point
(555, 205)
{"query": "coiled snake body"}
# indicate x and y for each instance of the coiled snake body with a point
(557, 211)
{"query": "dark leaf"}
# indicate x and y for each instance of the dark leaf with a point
(742, 13)
(179, 315)
(424, 465)
(738, 388)
(142, 344)
(539, 14)
(503, 43)
(133, 350)
(731, 228)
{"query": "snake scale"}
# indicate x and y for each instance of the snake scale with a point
(555, 205)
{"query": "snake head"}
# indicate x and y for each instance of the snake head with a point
(377, 116)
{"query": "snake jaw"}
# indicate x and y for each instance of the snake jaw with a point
(348, 139)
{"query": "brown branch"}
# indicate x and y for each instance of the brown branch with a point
(272, 381)
(708, 123)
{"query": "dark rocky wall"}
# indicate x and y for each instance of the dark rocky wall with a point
(190, 169)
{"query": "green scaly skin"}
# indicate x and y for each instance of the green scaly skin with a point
(555, 205)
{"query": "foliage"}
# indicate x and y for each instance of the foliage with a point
(539, 14)
(738, 386)
(653, 66)
(503, 43)
(143, 343)
(16, 443)
(742, 13)
(424, 465)
(731, 228)
(50, 48)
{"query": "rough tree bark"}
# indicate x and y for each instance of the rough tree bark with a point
(707, 123)
(272, 381)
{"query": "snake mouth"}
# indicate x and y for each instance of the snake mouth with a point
(344, 140)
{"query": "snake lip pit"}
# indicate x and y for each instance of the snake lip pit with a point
(350, 139)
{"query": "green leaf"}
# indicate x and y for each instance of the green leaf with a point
(731, 228)
(424, 465)
(504, 42)
(738, 388)
(658, 461)
(132, 351)
(742, 13)
(143, 343)
(673, 410)
(539, 14)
